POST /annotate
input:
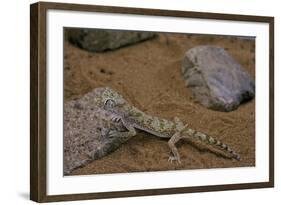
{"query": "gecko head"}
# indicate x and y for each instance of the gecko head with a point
(107, 98)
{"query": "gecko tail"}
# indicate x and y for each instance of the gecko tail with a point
(214, 142)
(228, 149)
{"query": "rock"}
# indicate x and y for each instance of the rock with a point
(86, 129)
(96, 40)
(216, 79)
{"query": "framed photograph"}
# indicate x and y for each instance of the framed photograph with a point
(134, 102)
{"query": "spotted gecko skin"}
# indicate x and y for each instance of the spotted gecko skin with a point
(134, 119)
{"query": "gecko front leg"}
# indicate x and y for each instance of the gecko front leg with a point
(123, 135)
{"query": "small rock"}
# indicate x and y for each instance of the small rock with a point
(216, 79)
(97, 40)
(86, 129)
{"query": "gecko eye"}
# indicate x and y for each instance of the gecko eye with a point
(109, 103)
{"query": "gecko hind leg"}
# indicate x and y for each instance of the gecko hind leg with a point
(172, 144)
(179, 123)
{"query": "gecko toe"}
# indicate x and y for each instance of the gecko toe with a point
(172, 158)
(112, 133)
(116, 119)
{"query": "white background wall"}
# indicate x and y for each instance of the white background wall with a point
(14, 101)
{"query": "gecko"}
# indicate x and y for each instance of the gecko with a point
(133, 119)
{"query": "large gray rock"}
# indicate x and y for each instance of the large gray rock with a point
(216, 79)
(97, 40)
(86, 132)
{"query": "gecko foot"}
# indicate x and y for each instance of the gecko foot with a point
(116, 119)
(173, 158)
(113, 134)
